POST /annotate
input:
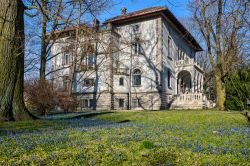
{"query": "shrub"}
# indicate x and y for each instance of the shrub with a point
(238, 89)
(41, 97)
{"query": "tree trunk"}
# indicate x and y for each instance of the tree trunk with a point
(44, 43)
(220, 92)
(19, 110)
(8, 16)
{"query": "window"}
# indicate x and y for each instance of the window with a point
(89, 48)
(91, 103)
(169, 47)
(136, 103)
(87, 103)
(67, 59)
(169, 78)
(136, 77)
(117, 63)
(88, 82)
(66, 83)
(179, 54)
(135, 28)
(121, 103)
(137, 49)
(121, 81)
(52, 66)
(90, 61)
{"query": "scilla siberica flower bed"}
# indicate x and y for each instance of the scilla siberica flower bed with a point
(145, 138)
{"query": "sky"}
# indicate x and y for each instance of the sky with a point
(178, 7)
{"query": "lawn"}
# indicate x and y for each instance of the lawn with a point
(129, 138)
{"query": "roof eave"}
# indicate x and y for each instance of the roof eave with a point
(171, 17)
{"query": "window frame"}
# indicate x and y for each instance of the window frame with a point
(87, 103)
(92, 82)
(121, 81)
(121, 103)
(136, 102)
(169, 79)
(136, 47)
(84, 103)
(134, 79)
(90, 61)
(66, 59)
(170, 48)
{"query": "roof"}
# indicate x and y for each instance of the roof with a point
(69, 28)
(136, 14)
(157, 10)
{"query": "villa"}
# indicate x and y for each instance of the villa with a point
(144, 59)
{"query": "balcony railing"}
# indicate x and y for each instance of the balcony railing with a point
(187, 97)
(190, 97)
(187, 62)
(121, 71)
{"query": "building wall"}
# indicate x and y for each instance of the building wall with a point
(146, 61)
(154, 63)
(177, 41)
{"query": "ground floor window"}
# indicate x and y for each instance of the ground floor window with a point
(121, 103)
(136, 103)
(87, 103)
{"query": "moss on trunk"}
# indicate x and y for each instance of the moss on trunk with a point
(8, 16)
(220, 92)
(19, 110)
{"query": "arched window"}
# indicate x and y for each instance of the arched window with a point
(137, 77)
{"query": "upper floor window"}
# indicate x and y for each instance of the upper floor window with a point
(169, 47)
(88, 82)
(66, 59)
(66, 83)
(169, 78)
(90, 61)
(89, 48)
(137, 49)
(179, 53)
(121, 81)
(136, 77)
(135, 28)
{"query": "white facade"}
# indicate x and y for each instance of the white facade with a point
(137, 63)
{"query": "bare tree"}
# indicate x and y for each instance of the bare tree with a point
(223, 26)
(12, 61)
(58, 14)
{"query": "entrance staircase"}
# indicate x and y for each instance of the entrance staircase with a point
(189, 101)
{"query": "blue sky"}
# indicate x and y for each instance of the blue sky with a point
(178, 7)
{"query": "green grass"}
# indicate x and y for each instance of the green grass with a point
(129, 138)
(190, 117)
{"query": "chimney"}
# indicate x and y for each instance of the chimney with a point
(96, 23)
(124, 10)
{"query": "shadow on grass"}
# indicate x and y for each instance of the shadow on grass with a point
(89, 115)
(61, 123)
(124, 121)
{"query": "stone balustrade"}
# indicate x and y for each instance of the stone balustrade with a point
(190, 97)
(190, 101)
(186, 62)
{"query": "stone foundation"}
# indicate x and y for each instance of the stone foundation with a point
(147, 101)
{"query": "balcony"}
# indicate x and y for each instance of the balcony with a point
(121, 71)
(187, 62)
(84, 67)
